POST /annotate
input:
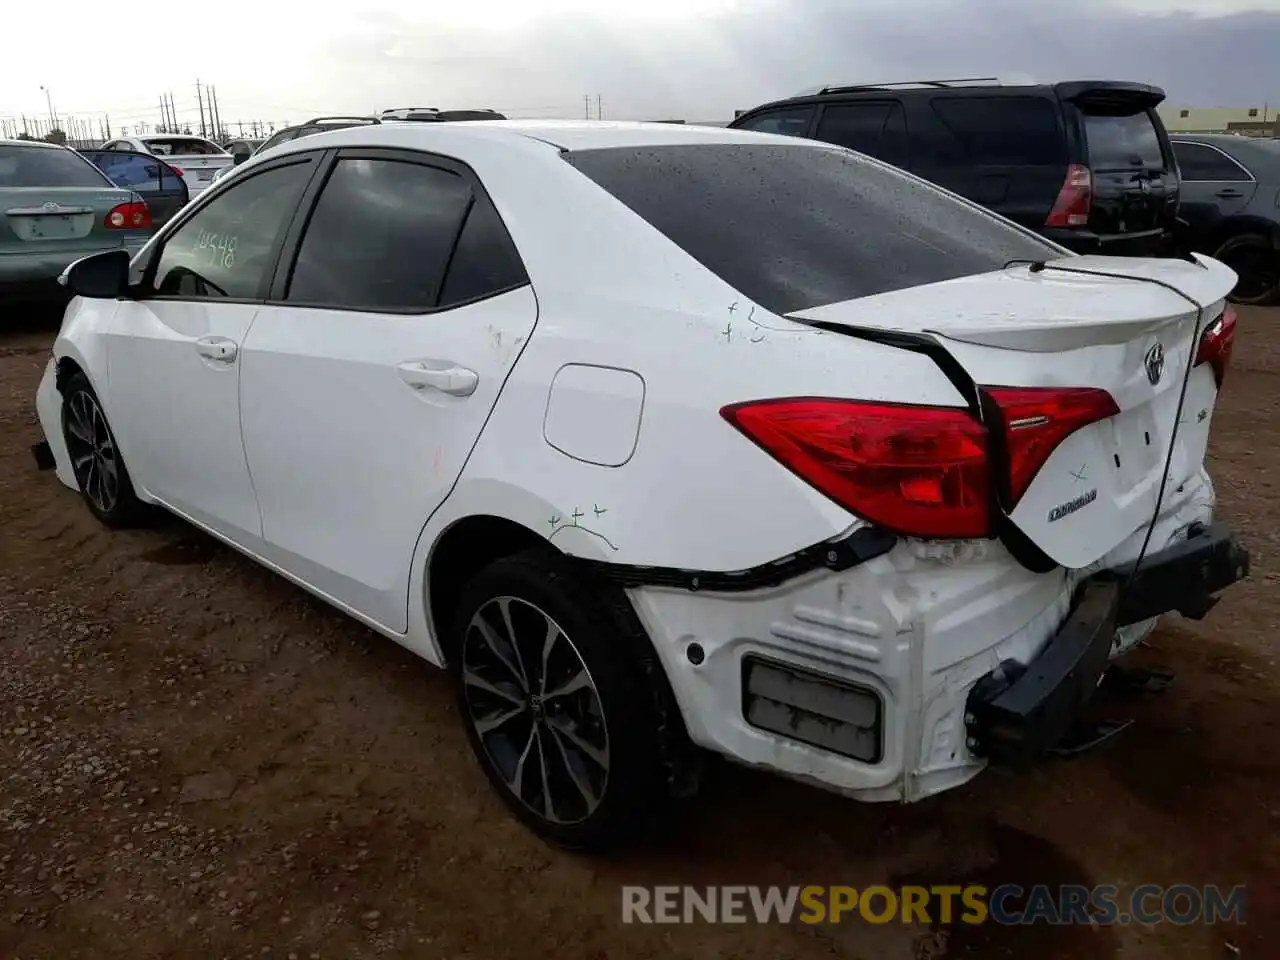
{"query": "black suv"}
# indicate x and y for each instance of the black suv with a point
(1085, 163)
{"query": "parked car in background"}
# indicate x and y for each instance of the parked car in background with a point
(163, 188)
(436, 114)
(316, 125)
(1231, 207)
(197, 159)
(383, 362)
(1086, 164)
(55, 207)
(241, 150)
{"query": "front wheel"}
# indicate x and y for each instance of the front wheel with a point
(1256, 261)
(559, 701)
(99, 470)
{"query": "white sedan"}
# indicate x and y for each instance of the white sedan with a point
(199, 160)
(664, 438)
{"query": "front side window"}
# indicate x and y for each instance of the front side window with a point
(227, 249)
(380, 236)
(801, 226)
(876, 128)
(1196, 161)
(790, 121)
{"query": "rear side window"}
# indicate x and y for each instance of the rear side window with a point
(282, 137)
(1197, 161)
(789, 121)
(1004, 131)
(380, 237)
(484, 262)
(876, 128)
(47, 167)
(797, 226)
(1123, 143)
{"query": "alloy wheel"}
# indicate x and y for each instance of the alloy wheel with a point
(92, 451)
(535, 709)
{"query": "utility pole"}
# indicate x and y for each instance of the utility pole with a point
(200, 101)
(217, 115)
(48, 99)
(599, 111)
(240, 125)
(586, 106)
(106, 126)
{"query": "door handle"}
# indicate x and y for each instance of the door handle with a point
(217, 348)
(1228, 194)
(439, 375)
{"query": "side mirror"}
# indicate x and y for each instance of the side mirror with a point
(101, 276)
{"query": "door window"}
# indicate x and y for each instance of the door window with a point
(876, 128)
(791, 121)
(135, 171)
(1004, 131)
(485, 260)
(228, 248)
(1197, 161)
(380, 237)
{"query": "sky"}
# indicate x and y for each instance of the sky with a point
(281, 61)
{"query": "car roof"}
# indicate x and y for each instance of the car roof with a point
(561, 134)
(15, 142)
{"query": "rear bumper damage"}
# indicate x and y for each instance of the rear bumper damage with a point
(1018, 712)
(905, 675)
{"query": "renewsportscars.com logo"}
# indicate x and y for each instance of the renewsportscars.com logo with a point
(1008, 904)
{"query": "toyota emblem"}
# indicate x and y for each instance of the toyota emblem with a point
(50, 205)
(1154, 362)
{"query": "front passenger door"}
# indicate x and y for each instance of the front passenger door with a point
(174, 356)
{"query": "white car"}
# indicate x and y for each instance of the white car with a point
(198, 159)
(663, 437)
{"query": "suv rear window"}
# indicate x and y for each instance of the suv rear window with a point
(799, 226)
(46, 167)
(1123, 143)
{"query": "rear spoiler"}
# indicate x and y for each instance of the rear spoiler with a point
(1111, 96)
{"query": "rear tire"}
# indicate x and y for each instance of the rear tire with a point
(99, 470)
(565, 718)
(1256, 260)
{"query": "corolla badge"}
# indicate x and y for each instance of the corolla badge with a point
(1154, 363)
(1072, 505)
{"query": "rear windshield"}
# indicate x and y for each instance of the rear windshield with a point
(1123, 143)
(801, 226)
(182, 147)
(43, 167)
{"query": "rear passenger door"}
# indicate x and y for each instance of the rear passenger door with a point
(1007, 153)
(875, 127)
(398, 309)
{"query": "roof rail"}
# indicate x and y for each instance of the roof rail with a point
(326, 119)
(907, 84)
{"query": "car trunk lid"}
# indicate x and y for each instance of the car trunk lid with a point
(56, 219)
(1027, 328)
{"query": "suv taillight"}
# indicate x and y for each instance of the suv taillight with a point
(1071, 209)
(1216, 343)
(920, 471)
(129, 216)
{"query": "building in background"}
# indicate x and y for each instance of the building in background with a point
(1262, 120)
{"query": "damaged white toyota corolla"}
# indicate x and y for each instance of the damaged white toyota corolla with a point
(667, 438)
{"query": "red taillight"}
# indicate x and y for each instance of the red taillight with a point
(920, 471)
(1216, 343)
(176, 170)
(1071, 209)
(129, 216)
(1035, 420)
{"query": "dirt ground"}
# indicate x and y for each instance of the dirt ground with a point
(198, 760)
